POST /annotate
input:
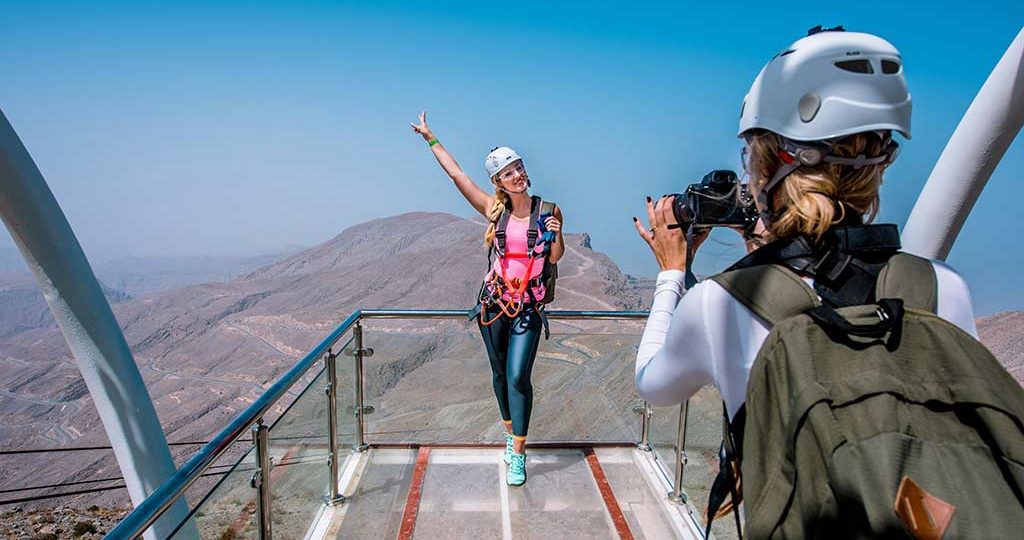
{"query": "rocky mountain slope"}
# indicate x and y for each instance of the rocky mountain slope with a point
(141, 275)
(23, 308)
(1003, 334)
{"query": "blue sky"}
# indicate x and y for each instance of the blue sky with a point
(188, 128)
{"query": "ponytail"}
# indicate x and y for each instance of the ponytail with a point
(501, 202)
(814, 198)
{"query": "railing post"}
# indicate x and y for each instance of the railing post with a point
(261, 478)
(361, 409)
(677, 495)
(333, 497)
(645, 411)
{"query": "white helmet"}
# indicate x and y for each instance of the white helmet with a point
(830, 84)
(498, 158)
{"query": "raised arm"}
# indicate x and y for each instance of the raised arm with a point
(477, 197)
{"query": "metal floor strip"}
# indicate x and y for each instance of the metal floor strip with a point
(621, 526)
(412, 502)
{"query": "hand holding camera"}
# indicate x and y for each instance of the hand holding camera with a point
(665, 237)
(682, 221)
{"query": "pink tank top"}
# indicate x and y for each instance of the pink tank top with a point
(514, 266)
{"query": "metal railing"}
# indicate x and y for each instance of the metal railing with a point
(144, 515)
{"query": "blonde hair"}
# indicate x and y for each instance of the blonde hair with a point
(501, 201)
(815, 197)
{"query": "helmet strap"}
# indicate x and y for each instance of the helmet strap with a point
(762, 195)
(813, 153)
(798, 154)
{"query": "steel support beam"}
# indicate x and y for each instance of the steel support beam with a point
(44, 237)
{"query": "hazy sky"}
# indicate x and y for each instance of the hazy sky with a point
(181, 128)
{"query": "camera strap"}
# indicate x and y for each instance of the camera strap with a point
(689, 279)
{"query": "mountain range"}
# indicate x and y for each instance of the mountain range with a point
(207, 350)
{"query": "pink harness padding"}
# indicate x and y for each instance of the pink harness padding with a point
(515, 266)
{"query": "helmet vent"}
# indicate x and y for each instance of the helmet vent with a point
(790, 51)
(855, 66)
(890, 67)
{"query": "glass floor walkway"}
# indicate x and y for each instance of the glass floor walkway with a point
(460, 492)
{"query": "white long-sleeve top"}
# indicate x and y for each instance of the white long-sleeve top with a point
(705, 336)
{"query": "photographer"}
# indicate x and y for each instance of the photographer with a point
(706, 336)
(844, 393)
(853, 407)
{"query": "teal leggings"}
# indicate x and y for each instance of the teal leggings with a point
(511, 347)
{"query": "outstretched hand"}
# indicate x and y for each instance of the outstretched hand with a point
(422, 128)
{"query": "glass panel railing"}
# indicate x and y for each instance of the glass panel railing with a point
(299, 449)
(227, 501)
(423, 382)
(429, 381)
(346, 401)
(229, 509)
(296, 406)
(584, 383)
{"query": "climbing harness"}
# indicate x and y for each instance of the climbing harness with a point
(497, 286)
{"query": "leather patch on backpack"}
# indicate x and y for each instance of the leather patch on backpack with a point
(925, 515)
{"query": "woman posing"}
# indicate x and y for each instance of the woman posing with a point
(511, 317)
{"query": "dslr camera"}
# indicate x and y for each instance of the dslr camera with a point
(718, 200)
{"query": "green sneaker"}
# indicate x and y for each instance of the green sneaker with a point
(516, 475)
(507, 458)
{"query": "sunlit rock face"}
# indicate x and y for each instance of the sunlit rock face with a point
(1003, 334)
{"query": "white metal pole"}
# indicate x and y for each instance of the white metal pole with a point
(979, 142)
(44, 236)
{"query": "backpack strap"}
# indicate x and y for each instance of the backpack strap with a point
(911, 278)
(499, 231)
(531, 232)
(547, 208)
(844, 265)
(773, 292)
(727, 480)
